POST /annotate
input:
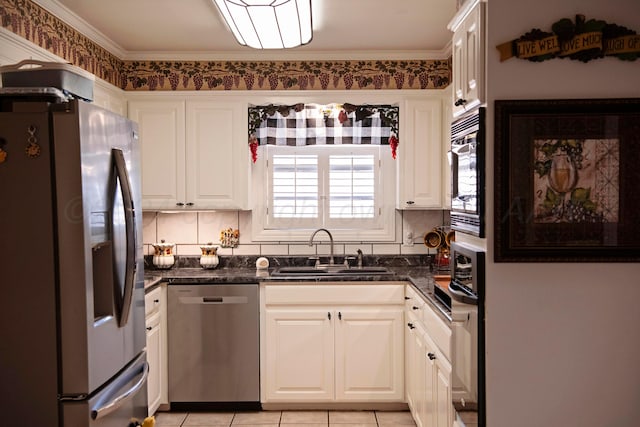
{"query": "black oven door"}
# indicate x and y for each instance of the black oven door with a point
(464, 197)
(466, 293)
(467, 173)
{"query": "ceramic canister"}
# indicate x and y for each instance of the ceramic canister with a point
(209, 257)
(163, 254)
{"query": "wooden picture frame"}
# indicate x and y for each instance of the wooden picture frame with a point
(567, 180)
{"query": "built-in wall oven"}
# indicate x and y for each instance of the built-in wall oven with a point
(464, 296)
(467, 158)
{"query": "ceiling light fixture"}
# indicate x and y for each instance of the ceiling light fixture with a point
(268, 24)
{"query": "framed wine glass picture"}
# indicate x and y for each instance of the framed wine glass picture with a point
(567, 180)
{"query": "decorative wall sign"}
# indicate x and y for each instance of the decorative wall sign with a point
(566, 180)
(580, 40)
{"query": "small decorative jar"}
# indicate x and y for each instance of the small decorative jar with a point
(163, 255)
(209, 257)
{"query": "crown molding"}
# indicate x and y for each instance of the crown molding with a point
(394, 55)
(64, 14)
(462, 13)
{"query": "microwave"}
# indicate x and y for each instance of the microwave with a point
(467, 157)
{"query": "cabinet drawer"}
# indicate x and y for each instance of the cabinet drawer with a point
(438, 330)
(413, 299)
(334, 294)
(152, 302)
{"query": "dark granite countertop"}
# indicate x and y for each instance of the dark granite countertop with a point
(238, 271)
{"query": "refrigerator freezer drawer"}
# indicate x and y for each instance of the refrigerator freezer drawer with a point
(121, 401)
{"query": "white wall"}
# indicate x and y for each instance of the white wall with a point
(563, 340)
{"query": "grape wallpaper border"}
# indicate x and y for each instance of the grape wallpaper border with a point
(30, 21)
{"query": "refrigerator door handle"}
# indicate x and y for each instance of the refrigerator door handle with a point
(114, 396)
(130, 224)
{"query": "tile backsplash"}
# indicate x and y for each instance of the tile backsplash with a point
(188, 230)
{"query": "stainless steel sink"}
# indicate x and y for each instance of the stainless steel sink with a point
(331, 270)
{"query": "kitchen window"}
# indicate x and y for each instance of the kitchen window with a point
(323, 166)
(332, 187)
(349, 189)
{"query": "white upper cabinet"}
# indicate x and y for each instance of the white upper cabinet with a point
(161, 127)
(194, 153)
(109, 97)
(468, 57)
(420, 155)
(217, 173)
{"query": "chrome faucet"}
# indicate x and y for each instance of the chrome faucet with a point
(359, 258)
(330, 238)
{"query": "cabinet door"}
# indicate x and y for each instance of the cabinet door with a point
(299, 355)
(109, 98)
(468, 61)
(474, 60)
(217, 168)
(415, 371)
(369, 355)
(154, 358)
(458, 70)
(439, 409)
(409, 362)
(161, 126)
(443, 404)
(420, 155)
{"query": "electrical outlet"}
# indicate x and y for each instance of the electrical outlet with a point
(408, 238)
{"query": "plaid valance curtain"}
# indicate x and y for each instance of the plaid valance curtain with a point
(313, 124)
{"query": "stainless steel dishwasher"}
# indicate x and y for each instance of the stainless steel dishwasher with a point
(214, 352)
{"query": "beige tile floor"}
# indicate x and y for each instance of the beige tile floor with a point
(286, 419)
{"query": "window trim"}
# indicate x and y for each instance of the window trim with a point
(386, 202)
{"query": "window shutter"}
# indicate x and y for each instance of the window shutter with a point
(295, 186)
(351, 186)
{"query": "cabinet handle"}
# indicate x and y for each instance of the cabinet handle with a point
(407, 298)
(431, 356)
(156, 301)
(149, 328)
(179, 204)
(415, 308)
(410, 202)
(460, 102)
(340, 315)
(410, 325)
(190, 204)
(329, 315)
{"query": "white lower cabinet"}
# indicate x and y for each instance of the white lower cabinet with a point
(154, 358)
(155, 320)
(299, 355)
(369, 354)
(428, 373)
(333, 343)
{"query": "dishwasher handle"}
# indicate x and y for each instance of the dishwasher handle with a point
(213, 300)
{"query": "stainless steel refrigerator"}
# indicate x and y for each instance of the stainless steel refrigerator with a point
(71, 270)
